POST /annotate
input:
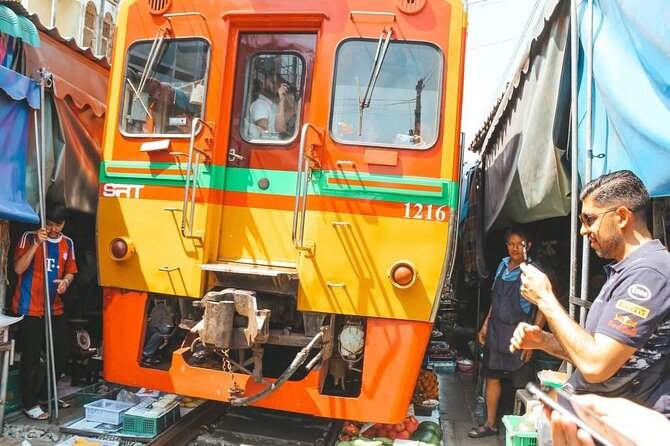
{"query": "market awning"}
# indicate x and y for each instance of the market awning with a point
(523, 149)
(17, 95)
(631, 94)
(18, 26)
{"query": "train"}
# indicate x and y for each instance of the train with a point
(278, 199)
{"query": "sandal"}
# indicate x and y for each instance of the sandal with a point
(61, 403)
(36, 413)
(482, 431)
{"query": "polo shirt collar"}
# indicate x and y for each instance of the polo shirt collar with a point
(647, 247)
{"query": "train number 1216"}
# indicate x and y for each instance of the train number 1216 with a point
(420, 211)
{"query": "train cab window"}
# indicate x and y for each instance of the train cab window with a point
(164, 86)
(387, 97)
(272, 98)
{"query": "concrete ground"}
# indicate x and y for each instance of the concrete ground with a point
(457, 411)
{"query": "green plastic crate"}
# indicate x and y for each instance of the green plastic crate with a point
(513, 438)
(92, 393)
(14, 400)
(149, 427)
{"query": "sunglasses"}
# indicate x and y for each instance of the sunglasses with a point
(588, 219)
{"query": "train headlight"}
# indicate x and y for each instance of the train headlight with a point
(402, 274)
(121, 249)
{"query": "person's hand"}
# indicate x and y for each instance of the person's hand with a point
(643, 426)
(283, 90)
(481, 336)
(41, 236)
(526, 355)
(535, 285)
(526, 337)
(62, 285)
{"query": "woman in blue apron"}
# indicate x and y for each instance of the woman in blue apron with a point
(507, 310)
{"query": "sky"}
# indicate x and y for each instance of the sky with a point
(494, 30)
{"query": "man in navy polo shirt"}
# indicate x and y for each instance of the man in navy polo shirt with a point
(623, 350)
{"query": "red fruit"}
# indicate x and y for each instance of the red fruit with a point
(403, 435)
(351, 429)
(369, 433)
(399, 427)
(378, 426)
(392, 435)
(345, 437)
(382, 433)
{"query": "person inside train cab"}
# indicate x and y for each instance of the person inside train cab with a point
(269, 112)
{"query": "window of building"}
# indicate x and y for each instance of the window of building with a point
(107, 36)
(163, 94)
(90, 21)
(272, 99)
(402, 101)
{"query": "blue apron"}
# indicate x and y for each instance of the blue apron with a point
(506, 313)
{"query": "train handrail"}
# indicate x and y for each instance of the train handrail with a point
(188, 184)
(299, 208)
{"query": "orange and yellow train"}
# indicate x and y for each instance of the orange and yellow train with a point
(278, 198)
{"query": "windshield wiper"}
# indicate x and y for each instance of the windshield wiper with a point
(382, 47)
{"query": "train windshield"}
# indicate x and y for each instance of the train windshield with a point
(388, 97)
(164, 86)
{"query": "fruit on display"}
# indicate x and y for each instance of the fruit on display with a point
(426, 387)
(428, 432)
(358, 434)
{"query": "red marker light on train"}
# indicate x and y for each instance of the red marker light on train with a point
(121, 248)
(402, 274)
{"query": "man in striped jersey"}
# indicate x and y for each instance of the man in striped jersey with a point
(30, 296)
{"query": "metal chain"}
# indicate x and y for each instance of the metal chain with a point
(235, 390)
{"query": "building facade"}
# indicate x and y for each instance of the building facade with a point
(90, 22)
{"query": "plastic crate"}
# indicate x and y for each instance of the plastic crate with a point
(13, 400)
(106, 411)
(93, 392)
(444, 366)
(514, 438)
(149, 427)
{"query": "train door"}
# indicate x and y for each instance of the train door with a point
(273, 81)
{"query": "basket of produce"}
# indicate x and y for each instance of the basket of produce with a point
(426, 387)
(378, 434)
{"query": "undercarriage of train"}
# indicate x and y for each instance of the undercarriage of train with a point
(263, 335)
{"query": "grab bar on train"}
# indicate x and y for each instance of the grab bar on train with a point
(301, 187)
(191, 184)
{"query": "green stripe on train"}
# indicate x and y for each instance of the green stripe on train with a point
(281, 182)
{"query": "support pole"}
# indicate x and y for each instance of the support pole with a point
(574, 205)
(586, 249)
(52, 391)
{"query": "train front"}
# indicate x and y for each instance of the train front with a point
(277, 199)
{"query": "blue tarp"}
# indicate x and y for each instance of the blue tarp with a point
(631, 95)
(17, 95)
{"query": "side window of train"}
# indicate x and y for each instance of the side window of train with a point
(165, 87)
(272, 98)
(387, 98)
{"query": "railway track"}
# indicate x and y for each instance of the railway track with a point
(218, 424)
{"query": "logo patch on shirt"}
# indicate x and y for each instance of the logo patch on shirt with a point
(630, 307)
(618, 325)
(626, 320)
(639, 292)
(65, 256)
